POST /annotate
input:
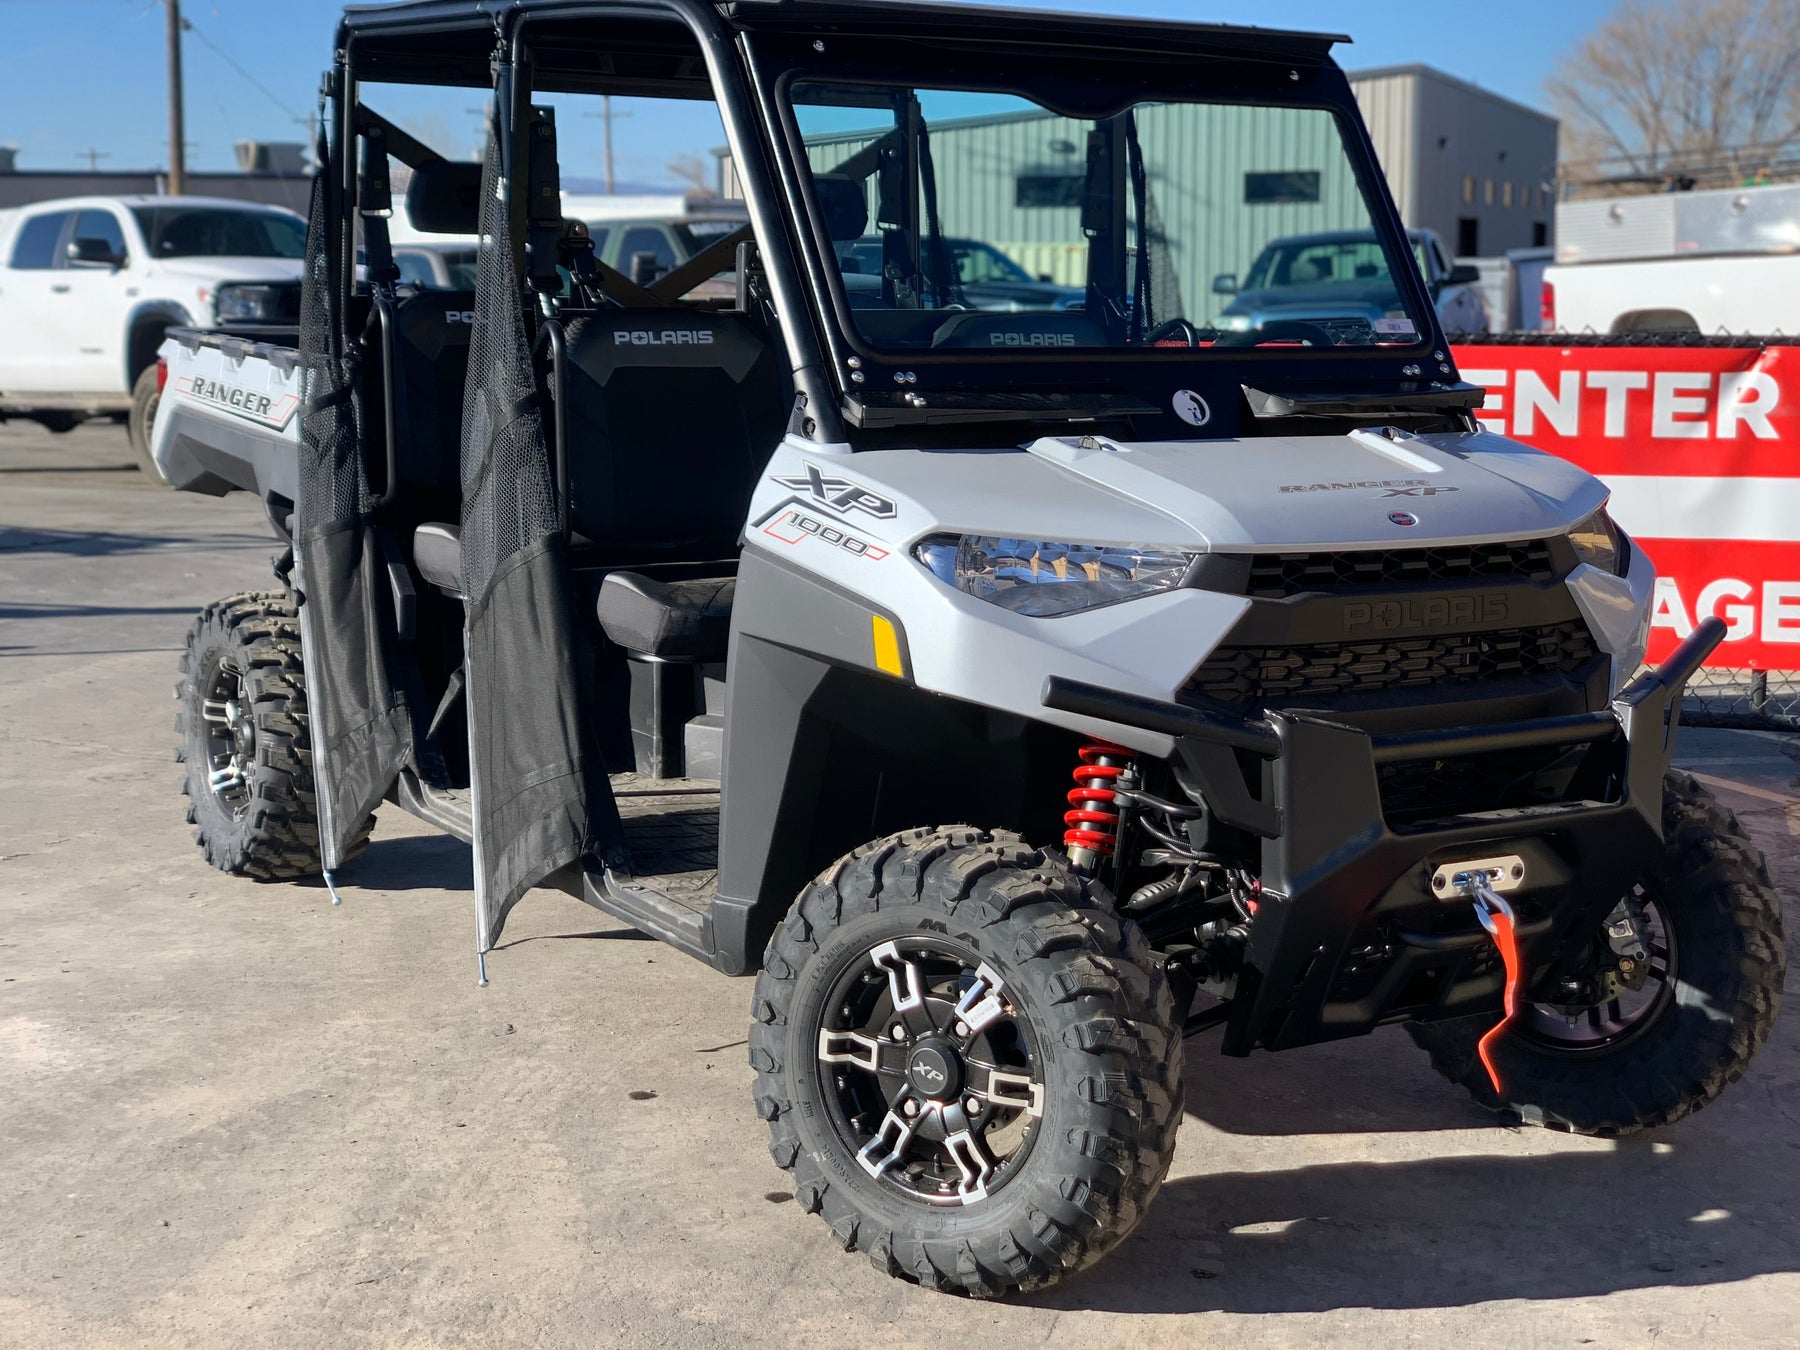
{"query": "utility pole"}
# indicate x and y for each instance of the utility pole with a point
(94, 156)
(177, 131)
(607, 115)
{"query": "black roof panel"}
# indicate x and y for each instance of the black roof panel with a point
(1024, 28)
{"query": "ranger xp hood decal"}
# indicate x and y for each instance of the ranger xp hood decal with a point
(1282, 491)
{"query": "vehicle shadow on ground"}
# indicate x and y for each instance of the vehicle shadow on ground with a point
(106, 543)
(411, 862)
(1366, 1084)
(26, 610)
(123, 466)
(1444, 1232)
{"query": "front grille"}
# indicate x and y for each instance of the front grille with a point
(1275, 576)
(1243, 679)
(1416, 791)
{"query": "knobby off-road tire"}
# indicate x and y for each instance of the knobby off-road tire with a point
(241, 724)
(1087, 993)
(1729, 960)
(138, 424)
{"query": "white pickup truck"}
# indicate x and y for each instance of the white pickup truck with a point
(90, 285)
(1722, 261)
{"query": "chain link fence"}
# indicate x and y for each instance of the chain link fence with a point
(1671, 338)
(1759, 700)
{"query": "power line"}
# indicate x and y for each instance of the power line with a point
(250, 79)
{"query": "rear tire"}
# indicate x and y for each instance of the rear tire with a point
(1069, 1147)
(1727, 959)
(142, 420)
(244, 741)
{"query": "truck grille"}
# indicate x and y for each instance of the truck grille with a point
(1275, 576)
(1247, 678)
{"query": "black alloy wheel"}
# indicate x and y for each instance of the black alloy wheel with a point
(1680, 990)
(930, 1071)
(968, 1060)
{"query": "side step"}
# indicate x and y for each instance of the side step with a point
(652, 911)
(450, 809)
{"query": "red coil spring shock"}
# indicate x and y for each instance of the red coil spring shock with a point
(1093, 821)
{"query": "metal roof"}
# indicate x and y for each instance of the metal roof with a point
(1003, 27)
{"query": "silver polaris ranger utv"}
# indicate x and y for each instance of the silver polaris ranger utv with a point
(1273, 697)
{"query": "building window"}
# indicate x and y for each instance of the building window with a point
(1488, 192)
(1048, 187)
(1297, 186)
(1468, 189)
(1506, 194)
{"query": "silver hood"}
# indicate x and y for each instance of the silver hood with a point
(1360, 490)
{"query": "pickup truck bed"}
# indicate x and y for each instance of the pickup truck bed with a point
(230, 418)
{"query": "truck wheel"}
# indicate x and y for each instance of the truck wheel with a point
(1635, 1049)
(242, 732)
(144, 398)
(969, 1063)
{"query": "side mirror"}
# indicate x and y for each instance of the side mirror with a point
(644, 269)
(1225, 283)
(94, 253)
(1046, 278)
(1462, 274)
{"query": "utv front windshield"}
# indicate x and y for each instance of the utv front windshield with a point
(1131, 229)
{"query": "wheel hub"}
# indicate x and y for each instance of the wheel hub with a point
(1628, 981)
(935, 1070)
(930, 1071)
(230, 733)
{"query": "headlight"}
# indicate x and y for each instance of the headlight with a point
(1600, 543)
(1043, 579)
(1235, 323)
(252, 304)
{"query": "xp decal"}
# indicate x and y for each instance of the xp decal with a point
(1396, 483)
(840, 494)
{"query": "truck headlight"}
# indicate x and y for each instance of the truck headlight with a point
(1600, 543)
(246, 303)
(1044, 579)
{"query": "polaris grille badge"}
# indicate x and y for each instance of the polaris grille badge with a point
(1403, 517)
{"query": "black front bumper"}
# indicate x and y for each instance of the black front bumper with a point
(1348, 933)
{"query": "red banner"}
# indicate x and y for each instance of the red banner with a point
(1701, 448)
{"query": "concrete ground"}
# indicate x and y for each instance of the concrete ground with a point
(233, 1116)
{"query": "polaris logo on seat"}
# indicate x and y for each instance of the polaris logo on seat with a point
(1031, 339)
(668, 337)
(1438, 611)
(462, 316)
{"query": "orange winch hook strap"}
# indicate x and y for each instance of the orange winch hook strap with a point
(1497, 917)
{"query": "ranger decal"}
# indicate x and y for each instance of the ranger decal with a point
(245, 403)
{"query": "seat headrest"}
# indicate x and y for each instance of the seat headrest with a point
(444, 197)
(845, 203)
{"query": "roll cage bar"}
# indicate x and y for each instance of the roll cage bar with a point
(746, 48)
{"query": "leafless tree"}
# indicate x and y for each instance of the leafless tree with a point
(691, 169)
(1672, 85)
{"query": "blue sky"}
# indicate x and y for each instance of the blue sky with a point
(88, 74)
